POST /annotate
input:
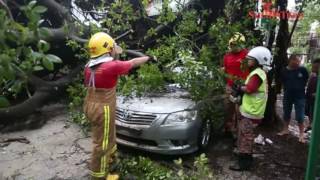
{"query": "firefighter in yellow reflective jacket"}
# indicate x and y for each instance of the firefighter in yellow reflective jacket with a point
(101, 75)
(253, 105)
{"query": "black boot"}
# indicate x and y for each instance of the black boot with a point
(244, 162)
(248, 161)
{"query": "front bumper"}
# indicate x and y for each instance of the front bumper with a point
(163, 139)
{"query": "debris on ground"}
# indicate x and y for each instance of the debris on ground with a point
(262, 140)
(17, 139)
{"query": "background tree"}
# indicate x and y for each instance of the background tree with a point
(303, 37)
(280, 60)
(287, 35)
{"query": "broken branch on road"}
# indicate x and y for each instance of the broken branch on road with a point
(18, 139)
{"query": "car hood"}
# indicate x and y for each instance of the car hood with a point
(160, 103)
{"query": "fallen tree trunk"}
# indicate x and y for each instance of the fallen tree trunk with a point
(45, 91)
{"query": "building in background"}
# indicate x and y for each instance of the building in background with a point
(154, 7)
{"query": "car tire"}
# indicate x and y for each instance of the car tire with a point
(205, 133)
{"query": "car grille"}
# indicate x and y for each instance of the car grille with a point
(134, 117)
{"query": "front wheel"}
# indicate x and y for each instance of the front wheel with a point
(205, 133)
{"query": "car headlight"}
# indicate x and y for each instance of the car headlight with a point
(180, 117)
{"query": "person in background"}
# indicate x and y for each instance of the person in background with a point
(311, 90)
(294, 78)
(253, 104)
(232, 67)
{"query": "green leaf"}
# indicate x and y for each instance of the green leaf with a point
(1, 74)
(4, 102)
(43, 46)
(8, 73)
(37, 68)
(18, 26)
(36, 55)
(53, 58)
(40, 9)
(44, 32)
(40, 22)
(47, 64)
(16, 87)
(32, 4)
(14, 37)
(180, 173)
(5, 60)
(178, 161)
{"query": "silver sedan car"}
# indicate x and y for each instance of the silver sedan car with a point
(165, 123)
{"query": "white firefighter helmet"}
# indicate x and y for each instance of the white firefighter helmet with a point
(262, 55)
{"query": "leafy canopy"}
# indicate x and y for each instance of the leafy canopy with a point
(19, 57)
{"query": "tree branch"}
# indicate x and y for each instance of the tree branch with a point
(58, 8)
(158, 30)
(296, 21)
(5, 6)
(44, 93)
(60, 34)
(134, 53)
(124, 34)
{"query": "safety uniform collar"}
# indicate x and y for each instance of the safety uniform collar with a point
(99, 60)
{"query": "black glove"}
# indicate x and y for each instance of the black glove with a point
(236, 94)
(236, 90)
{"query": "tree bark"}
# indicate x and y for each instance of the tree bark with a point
(280, 61)
(45, 91)
(59, 35)
(60, 11)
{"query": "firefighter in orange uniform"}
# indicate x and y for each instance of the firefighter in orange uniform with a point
(101, 75)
